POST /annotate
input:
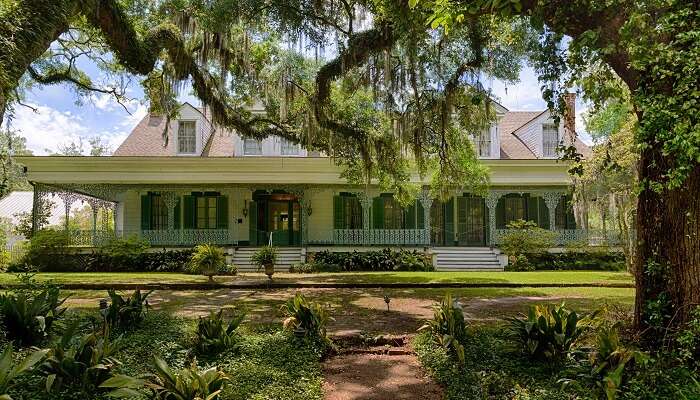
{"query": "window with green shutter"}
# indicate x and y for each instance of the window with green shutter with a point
(564, 214)
(154, 212)
(347, 211)
(205, 210)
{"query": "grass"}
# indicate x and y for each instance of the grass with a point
(532, 278)
(265, 364)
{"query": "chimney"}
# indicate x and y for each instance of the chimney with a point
(569, 117)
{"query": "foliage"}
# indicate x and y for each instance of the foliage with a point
(11, 175)
(380, 260)
(266, 255)
(520, 263)
(304, 315)
(83, 362)
(47, 247)
(208, 260)
(448, 326)
(688, 342)
(585, 259)
(548, 332)
(23, 226)
(214, 334)
(9, 370)
(525, 237)
(126, 313)
(187, 384)
(611, 361)
(123, 250)
(28, 314)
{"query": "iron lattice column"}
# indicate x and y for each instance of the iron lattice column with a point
(426, 201)
(551, 199)
(492, 202)
(366, 204)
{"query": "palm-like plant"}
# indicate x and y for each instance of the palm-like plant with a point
(29, 316)
(214, 334)
(304, 316)
(126, 312)
(188, 384)
(610, 360)
(448, 326)
(207, 260)
(9, 370)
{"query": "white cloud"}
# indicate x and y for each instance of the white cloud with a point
(48, 128)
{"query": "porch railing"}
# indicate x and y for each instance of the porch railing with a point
(398, 237)
(178, 237)
(592, 237)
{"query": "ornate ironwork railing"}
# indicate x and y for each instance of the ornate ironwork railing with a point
(89, 238)
(400, 237)
(592, 237)
(186, 237)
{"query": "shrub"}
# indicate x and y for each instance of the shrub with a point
(84, 362)
(305, 317)
(379, 260)
(267, 255)
(46, 249)
(591, 259)
(4, 259)
(124, 251)
(520, 264)
(611, 361)
(188, 384)
(126, 312)
(207, 260)
(525, 237)
(548, 332)
(29, 314)
(688, 341)
(448, 326)
(214, 334)
(9, 370)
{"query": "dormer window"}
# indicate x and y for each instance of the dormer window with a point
(252, 147)
(550, 140)
(186, 137)
(483, 143)
(289, 148)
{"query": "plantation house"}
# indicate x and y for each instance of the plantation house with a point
(209, 186)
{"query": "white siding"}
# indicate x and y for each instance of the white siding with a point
(321, 219)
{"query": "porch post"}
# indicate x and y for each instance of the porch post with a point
(68, 200)
(492, 202)
(94, 203)
(366, 204)
(304, 207)
(36, 206)
(552, 199)
(170, 200)
(426, 201)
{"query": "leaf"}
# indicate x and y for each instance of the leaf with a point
(50, 381)
(412, 3)
(124, 392)
(123, 381)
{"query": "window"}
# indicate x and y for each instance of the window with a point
(483, 144)
(186, 138)
(564, 214)
(206, 212)
(514, 209)
(550, 140)
(289, 148)
(348, 212)
(252, 147)
(159, 212)
(393, 214)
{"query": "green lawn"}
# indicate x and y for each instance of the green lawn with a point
(537, 278)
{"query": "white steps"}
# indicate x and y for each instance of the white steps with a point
(466, 259)
(286, 256)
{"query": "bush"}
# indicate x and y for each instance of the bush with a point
(207, 260)
(214, 334)
(448, 326)
(9, 370)
(188, 384)
(379, 260)
(548, 332)
(28, 314)
(525, 237)
(47, 249)
(305, 317)
(688, 341)
(520, 264)
(82, 362)
(267, 255)
(578, 260)
(126, 313)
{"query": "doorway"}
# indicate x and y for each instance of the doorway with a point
(276, 214)
(471, 217)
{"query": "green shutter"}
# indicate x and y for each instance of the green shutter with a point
(532, 209)
(189, 212)
(222, 212)
(569, 207)
(338, 213)
(378, 212)
(178, 213)
(410, 213)
(253, 223)
(462, 204)
(501, 213)
(544, 213)
(421, 216)
(450, 222)
(145, 212)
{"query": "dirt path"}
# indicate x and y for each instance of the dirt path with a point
(377, 377)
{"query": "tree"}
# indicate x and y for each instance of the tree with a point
(12, 177)
(24, 219)
(97, 148)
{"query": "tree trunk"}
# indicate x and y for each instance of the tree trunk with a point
(667, 266)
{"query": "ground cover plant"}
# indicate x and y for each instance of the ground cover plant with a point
(127, 312)
(379, 260)
(214, 333)
(208, 260)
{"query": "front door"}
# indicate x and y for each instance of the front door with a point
(471, 214)
(278, 214)
(437, 223)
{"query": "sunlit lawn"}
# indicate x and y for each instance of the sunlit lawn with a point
(534, 278)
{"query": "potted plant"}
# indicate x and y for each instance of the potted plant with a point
(207, 260)
(265, 258)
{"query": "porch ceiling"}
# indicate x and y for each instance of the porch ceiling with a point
(249, 170)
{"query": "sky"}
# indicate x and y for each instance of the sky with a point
(60, 120)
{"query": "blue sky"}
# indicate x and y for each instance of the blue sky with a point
(60, 121)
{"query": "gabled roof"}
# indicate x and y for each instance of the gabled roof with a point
(512, 147)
